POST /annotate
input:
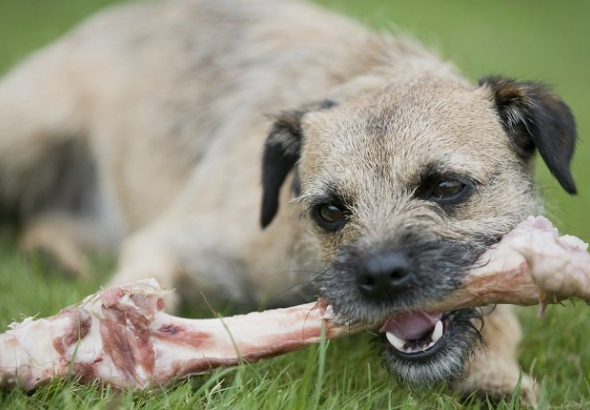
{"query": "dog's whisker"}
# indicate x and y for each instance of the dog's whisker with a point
(291, 271)
(296, 286)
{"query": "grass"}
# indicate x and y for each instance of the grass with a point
(535, 39)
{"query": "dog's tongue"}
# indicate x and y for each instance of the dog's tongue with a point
(411, 325)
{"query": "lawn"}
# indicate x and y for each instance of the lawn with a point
(542, 40)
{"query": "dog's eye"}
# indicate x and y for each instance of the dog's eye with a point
(447, 190)
(330, 213)
(331, 216)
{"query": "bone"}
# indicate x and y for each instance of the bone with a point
(531, 265)
(122, 337)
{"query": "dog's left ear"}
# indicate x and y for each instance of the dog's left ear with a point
(281, 152)
(534, 117)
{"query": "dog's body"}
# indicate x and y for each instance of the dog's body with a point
(145, 127)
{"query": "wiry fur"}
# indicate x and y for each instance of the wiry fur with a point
(431, 256)
(142, 131)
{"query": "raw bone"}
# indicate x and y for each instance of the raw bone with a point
(531, 265)
(122, 337)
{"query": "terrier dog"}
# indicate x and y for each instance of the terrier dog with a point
(143, 129)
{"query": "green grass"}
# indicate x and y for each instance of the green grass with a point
(541, 39)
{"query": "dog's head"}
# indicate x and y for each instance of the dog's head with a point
(402, 190)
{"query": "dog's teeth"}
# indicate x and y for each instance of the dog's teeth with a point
(329, 313)
(395, 342)
(437, 332)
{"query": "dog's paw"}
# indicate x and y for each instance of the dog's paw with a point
(500, 383)
(58, 252)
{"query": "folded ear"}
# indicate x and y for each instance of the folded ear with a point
(281, 152)
(534, 117)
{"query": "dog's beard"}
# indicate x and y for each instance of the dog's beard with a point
(438, 265)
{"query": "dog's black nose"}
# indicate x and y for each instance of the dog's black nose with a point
(385, 275)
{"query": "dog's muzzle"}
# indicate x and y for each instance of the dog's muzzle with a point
(414, 334)
(385, 276)
(388, 286)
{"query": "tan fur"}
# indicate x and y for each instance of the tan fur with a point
(494, 370)
(169, 100)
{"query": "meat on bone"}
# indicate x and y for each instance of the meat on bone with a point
(122, 337)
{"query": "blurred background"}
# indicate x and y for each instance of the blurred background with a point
(540, 40)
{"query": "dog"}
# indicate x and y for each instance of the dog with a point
(242, 149)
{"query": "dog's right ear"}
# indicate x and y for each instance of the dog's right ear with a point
(536, 119)
(281, 152)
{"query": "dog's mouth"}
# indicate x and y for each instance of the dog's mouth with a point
(425, 348)
(415, 334)
(419, 347)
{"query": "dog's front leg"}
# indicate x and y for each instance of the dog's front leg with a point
(494, 371)
(191, 254)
